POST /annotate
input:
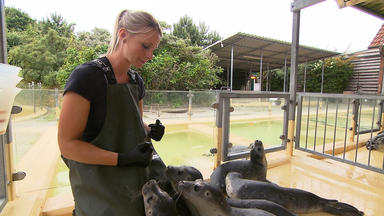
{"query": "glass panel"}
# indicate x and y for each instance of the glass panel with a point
(255, 119)
(3, 192)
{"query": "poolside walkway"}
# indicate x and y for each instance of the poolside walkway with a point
(39, 163)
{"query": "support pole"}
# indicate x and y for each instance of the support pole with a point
(355, 115)
(322, 77)
(231, 67)
(261, 73)
(285, 72)
(267, 86)
(228, 72)
(219, 126)
(292, 86)
(305, 75)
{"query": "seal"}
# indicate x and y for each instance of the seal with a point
(156, 201)
(266, 205)
(376, 142)
(255, 168)
(157, 171)
(211, 202)
(175, 174)
(296, 200)
(182, 173)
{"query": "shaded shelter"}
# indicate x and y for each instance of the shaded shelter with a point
(372, 7)
(244, 54)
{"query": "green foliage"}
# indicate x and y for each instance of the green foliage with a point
(277, 80)
(57, 23)
(178, 66)
(98, 37)
(48, 51)
(337, 73)
(17, 20)
(41, 57)
(196, 35)
(75, 56)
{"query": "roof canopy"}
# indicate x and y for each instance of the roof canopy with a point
(374, 7)
(248, 50)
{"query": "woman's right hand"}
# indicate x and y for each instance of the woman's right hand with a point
(140, 155)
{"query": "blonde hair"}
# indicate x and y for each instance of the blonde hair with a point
(134, 22)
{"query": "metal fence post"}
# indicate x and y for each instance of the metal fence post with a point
(355, 114)
(190, 96)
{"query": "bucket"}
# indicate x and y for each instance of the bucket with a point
(8, 80)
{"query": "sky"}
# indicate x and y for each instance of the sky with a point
(323, 25)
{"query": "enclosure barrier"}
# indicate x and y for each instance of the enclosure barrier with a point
(225, 105)
(339, 126)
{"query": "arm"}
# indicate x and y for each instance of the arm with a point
(73, 120)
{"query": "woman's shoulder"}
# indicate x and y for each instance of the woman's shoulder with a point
(86, 79)
(88, 69)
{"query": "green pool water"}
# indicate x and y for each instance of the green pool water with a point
(268, 131)
(182, 147)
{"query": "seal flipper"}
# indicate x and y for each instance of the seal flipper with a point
(342, 209)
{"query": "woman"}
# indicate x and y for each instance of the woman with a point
(101, 133)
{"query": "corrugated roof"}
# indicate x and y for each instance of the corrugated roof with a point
(374, 7)
(248, 49)
(379, 38)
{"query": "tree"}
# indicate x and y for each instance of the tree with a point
(207, 38)
(197, 35)
(179, 66)
(17, 20)
(337, 73)
(87, 47)
(20, 27)
(57, 23)
(40, 58)
(98, 37)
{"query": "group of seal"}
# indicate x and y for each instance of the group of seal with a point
(235, 188)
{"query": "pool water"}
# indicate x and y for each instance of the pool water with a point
(268, 131)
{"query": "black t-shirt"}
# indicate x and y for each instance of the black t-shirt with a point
(89, 81)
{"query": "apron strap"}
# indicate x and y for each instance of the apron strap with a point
(108, 73)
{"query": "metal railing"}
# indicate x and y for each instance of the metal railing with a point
(339, 126)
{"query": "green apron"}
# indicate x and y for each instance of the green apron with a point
(111, 190)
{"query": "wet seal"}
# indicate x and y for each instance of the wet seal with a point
(175, 174)
(210, 201)
(262, 204)
(255, 168)
(156, 201)
(296, 200)
(157, 170)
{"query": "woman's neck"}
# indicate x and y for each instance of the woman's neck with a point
(120, 67)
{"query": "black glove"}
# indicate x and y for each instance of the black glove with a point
(140, 155)
(157, 130)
